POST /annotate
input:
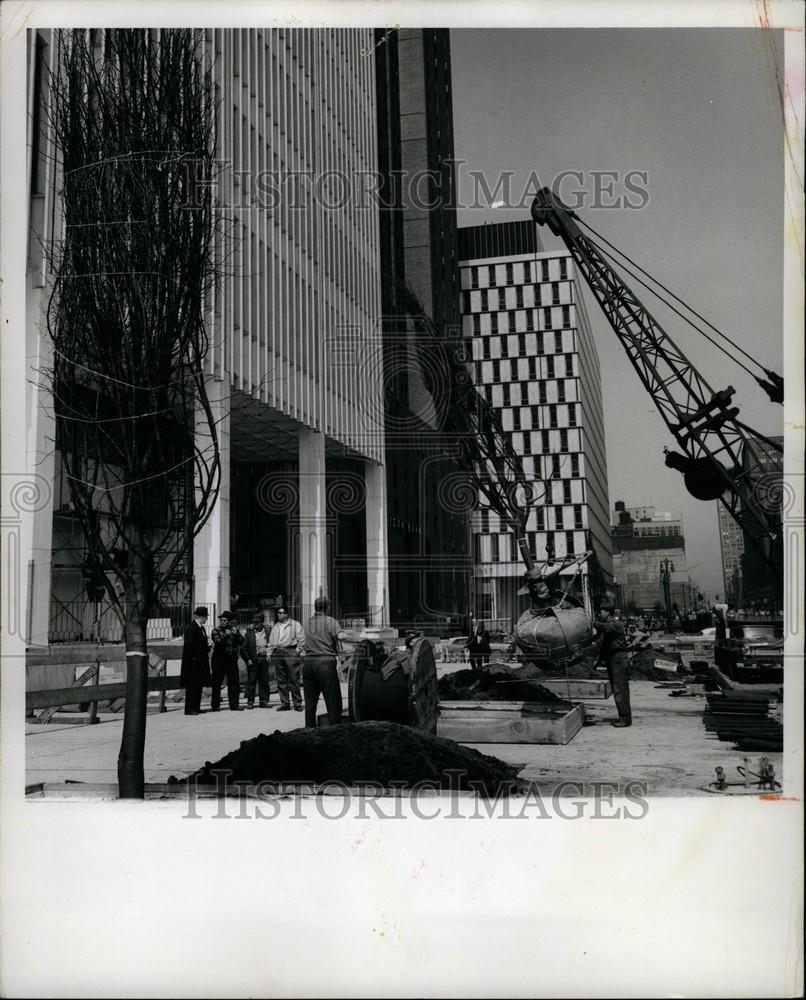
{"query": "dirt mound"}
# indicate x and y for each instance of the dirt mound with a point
(642, 666)
(498, 684)
(361, 752)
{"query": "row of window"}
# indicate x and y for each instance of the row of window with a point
(575, 515)
(528, 272)
(492, 303)
(509, 346)
(503, 548)
(506, 370)
(507, 322)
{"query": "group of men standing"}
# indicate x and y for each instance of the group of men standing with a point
(209, 660)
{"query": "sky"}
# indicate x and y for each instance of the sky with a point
(697, 110)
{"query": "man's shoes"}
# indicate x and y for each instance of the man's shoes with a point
(283, 708)
(238, 708)
(251, 704)
(192, 713)
(620, 724)
(215, 709)
(298, 708)
(264, 704)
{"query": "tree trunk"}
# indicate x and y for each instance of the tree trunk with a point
(131, 777)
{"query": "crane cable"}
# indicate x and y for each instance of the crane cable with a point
(767, 372)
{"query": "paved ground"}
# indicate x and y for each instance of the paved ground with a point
(667, 746)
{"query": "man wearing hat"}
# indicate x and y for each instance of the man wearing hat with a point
(286, 650)
(613, 651)
(256, 646)
(195, 670)
(227, 647)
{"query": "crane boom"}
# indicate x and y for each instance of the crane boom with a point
(720, 459)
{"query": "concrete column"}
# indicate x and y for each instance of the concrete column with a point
(211, 549)
(312, 519)
(377, 541)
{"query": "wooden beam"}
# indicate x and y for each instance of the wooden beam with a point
(96, 692)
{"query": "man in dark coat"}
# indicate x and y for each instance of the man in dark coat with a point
(613, 651)
(195, 671)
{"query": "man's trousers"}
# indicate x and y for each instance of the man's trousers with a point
(619, 673)
(320, 676)
(287, 666)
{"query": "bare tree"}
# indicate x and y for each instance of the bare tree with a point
(134, 122)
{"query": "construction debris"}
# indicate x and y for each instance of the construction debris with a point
(499, 684)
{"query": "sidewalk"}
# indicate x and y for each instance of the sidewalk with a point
(667, 746)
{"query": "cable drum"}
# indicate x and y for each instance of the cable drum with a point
(394, 687)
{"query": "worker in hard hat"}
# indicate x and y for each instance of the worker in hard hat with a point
(613, 653)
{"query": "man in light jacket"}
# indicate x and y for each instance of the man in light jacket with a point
(286, 651)
(320, 672)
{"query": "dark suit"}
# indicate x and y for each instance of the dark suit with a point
(195, 672)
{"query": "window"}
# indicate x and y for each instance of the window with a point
(516, 418)
(494, 322)
(563, 268)
(494, 548)
(533, 368)
(511, 315)
(555, 293)
(550, 546)
(504, 347)
(544, 267)
(572, 415)
(484, 300)
(566, 491)
(546, 317)
(543, 393)
(521, 344)
(519, 297)
(474, 277)
(561, 391)
(466, 306)
(555, 466)
(537, 296)
(510, 274)
(552, 415)
(530, 319)
(527, 443)
(485, 519)
(578, 517)
(478, 373)
(507, 397)
(491, 274)
(513, 549)
(496, 371)
(575, 466)
(569, 366)
(545, 440)
(502, 298)
(488, 394)
(558, 518)
(541, 519)
(541, 347)
(569, 543)
(563, 440)
(566, 315)
(485, 348)
(550, 366)
(476, 325)
(558, 342)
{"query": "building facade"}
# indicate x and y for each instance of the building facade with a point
(647, 546)
(762, 573)
(731, 542)
(293, 369)
(535, 361)
(430, 556)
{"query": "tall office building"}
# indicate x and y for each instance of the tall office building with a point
(731, 543)
(535, 361)
(762, 573)
(293, 371)
(430, 560)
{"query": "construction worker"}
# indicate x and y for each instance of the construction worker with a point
(227, 649)
(286, 651)
(613, 652)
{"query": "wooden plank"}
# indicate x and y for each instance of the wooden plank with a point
(514, 727)
(97, 692)
(524, 708)
(577, 688)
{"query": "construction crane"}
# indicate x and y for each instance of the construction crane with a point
(720, 457)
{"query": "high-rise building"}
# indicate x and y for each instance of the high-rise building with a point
(731, 542)
(535, 361)
(293, 370)
(762, 573)
(430, 557)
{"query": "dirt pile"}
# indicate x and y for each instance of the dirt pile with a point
(642, 665)
(362, 752)
(498, 684)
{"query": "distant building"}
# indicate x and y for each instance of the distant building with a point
(643, 540)
(535, 361)
(731, 542)
(763, 582)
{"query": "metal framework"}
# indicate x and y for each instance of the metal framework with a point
(721, 459)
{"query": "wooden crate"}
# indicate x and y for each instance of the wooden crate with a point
(581, 688)
(509, 721)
